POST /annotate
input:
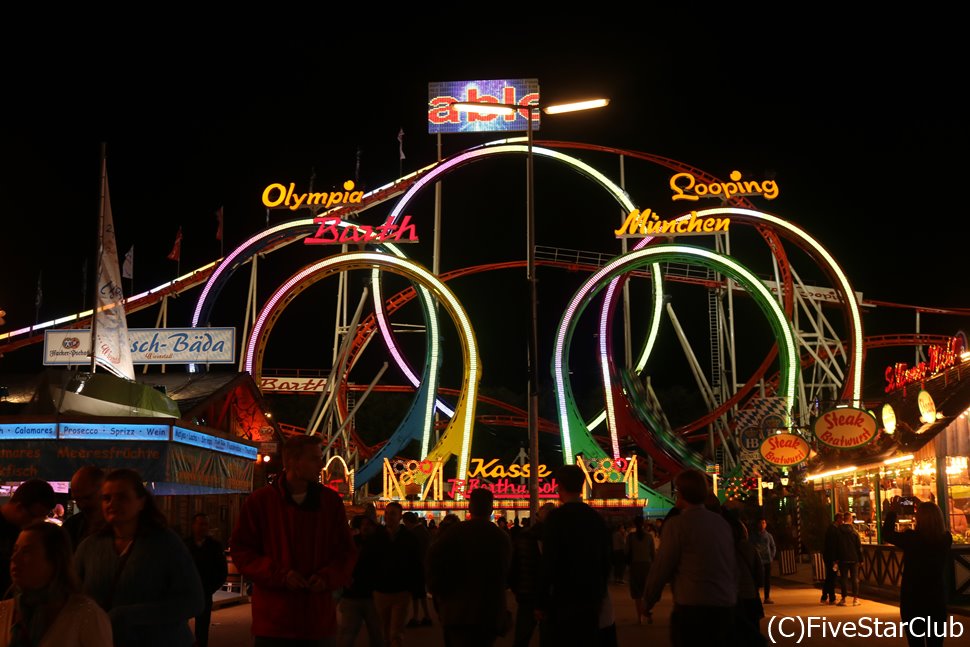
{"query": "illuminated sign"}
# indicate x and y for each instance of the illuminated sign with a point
(215, 443)
(31, 431)
(391, 232)
(648, 223)
(58, 461)
(502, 488)
(291, 384)
(941, 357)
(686, 187)
(277, 196)
(927, 408)
(845, 427)
(339, 478)
(108, 431)
(492, 469)
(888, 419)
(521, 92)
(500, 480)
(784, 449)
(148, 346)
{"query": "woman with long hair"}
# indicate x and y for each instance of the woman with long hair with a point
(923, 590)
(139, 570)
(47, 608)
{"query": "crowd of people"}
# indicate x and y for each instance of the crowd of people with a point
(116, 574)
(113, 574)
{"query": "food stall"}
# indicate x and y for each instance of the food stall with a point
(919, 453)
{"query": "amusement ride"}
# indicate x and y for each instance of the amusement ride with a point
(813, 345)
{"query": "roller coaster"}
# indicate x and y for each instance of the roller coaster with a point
(813, 357)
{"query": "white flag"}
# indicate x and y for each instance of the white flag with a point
(128, 267)
(110, 349)
(400, 142)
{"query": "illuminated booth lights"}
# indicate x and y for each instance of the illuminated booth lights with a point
(421, 485)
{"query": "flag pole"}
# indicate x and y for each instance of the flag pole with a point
(98, 261)
(38, 298)
(128, 269)
(84, 285)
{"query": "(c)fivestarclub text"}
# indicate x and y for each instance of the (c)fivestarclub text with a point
(798, 628)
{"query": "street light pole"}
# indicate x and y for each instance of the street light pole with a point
(533, 345)
(530, 235)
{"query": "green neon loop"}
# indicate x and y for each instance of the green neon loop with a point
(576, 438)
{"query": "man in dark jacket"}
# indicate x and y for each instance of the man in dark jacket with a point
(86, 492)
(356, 606)
(210, 561)
(764, 543)
(400, 578)
(525, 578)
(576, 562)
(468, 571)
(830, 556)
(420, 615)
(850, 552)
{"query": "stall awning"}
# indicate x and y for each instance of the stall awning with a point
(175, 456)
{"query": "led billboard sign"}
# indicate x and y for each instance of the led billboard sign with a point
(520, 92)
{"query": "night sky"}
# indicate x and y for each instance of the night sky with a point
(865, 133)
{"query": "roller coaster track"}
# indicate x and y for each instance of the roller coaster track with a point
(364, 332)
(35, 334)
(519, 419)
(874, 341)
(570, 260)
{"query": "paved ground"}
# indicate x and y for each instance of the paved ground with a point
(796, 604)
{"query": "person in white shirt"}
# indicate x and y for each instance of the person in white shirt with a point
(697, 557)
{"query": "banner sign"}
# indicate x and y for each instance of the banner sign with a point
(43, 459)
(291, 384)
(215, 443)
(807, 292)
(148, 346)
(28, 431)
(521, 92)
(195, 459)
(845, 427)
(112, 431)
(205, 469)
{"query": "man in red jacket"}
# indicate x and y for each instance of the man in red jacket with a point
(293, 542)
